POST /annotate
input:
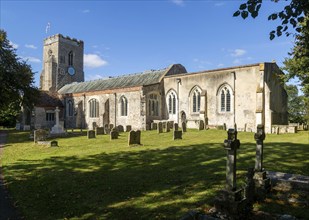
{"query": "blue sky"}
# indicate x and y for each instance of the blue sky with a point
(123, 37)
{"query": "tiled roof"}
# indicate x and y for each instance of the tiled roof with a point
(139, 79)
(48, 99)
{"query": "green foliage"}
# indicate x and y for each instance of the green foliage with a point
(296, 105)
(291, 16)
(17, 80)
(163, 179)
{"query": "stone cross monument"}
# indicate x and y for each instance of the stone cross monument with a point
(57, 129)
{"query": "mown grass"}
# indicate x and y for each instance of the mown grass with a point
(163, 179)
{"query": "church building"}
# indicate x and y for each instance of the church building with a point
(245, 95)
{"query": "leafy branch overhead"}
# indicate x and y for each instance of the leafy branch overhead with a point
(291, 15)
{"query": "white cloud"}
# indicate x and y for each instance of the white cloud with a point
(15, 46)
(238, 52)
(31, 59)
(237, 61)
(220, 65)
(31, 46)
(178, 2)
(94, 61)
(86, 11)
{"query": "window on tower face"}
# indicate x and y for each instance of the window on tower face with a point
(93, 108)
(124, 106)
(71, 58)
(225, 99)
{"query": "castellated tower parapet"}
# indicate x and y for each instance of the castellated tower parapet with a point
(63, 62)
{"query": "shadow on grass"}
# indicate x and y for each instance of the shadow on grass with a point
(126, 185)
(144, 184)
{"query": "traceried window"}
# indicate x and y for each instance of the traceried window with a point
(70, 108)
(225, 99)
(93, 108)
(124, 106)
(153, 105)
(70, 58)
(196, 101)
(172, 103)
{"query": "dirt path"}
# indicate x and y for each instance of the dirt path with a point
(7, 209)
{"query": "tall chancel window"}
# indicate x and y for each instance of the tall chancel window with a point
(70, 108)
(70, 58)
(93, 108)
(171, 97)
(225, 94)
(153, 105)
(196, 100)
(123, 106)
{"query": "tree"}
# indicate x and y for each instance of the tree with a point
(17, 83)
(292, 15)
(296, 105)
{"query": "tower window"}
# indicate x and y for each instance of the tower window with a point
(71, 58)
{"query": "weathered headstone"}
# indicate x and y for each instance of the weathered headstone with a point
(114, 134)
(120, 128)
(54, 143)
(39, 135)
(90, 134)
(94, 125)
(201, 125)
(153, 126)
(262, 183)
(277, 130)
(224, 126)
(26, 127)
(184, 126)
(167, 127)
(176, 127)
(171, 124)
(134, 137)
(99, 130)
(17, 127)
(177, 135)
(160, 129)
(128, 128)
(164, 125)
(111, 126)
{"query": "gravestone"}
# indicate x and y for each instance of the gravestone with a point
(26, 127)
(114, 134)
(160, 129)
(54, 143)
(171, 124)
(153, 126)
(224, 126)
(111, 126)
(176, 127)
(167, 128)
(277, 129)
(230, 201)
(164, 125)
(184, 126)
(177, 135)
(17, 127)
(134, 137)
(262, 183)
(147, 127)
(120, 128)
(90, 134)
(128, 128)
(94, 125)
(200, 125)
(39, 135)
(99, 130)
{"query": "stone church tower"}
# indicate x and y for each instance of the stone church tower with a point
(62, 62)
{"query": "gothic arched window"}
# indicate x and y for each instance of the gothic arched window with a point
(93, 108)
(70, 58)
(225, 99)
(70, 108)
(153, 105)
(195, 99)
(124, 106)
(171, 102)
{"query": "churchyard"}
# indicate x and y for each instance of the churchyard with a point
(162, 178)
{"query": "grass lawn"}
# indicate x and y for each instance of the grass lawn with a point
(163, 179)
